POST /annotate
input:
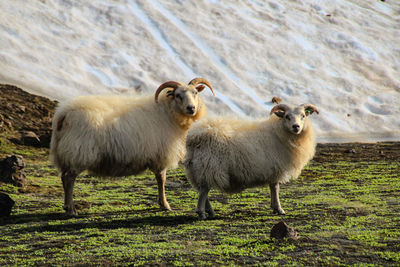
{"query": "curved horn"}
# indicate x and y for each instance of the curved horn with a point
(196, 81)
(169, 84)
(281, 107)
(309, 109)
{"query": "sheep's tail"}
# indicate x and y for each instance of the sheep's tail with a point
(188, 162)
(57, 127)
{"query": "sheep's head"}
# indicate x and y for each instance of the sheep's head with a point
(294, 117)
(185, 97)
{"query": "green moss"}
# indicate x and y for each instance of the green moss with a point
(346, 213)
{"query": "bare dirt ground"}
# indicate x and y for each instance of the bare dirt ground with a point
(381, 151)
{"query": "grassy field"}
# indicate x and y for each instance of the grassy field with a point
(345, 207)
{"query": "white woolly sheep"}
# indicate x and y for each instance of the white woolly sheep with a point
(119, 136)
(232, 155)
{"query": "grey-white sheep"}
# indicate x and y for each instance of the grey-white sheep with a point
(119, 136)
(232, 155)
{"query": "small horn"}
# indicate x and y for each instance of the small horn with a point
(276, 100)
(196, 81)
(309, 108)
(169, 84)
(277, 108)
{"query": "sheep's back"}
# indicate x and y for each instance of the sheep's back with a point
(116, 137)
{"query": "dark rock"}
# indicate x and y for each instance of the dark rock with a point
(281, 230)
(6, 204)
(30, 139)
(45, 140)
(352, 151)
(12, 171)
(16, 140)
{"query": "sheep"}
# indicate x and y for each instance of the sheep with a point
(119, 136)
(232, 155)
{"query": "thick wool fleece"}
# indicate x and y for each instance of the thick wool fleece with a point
(231, 155)
(115, 136)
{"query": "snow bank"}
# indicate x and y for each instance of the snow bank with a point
(341, 55)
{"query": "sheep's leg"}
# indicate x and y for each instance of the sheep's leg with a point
(209, 209)
(202, 202)
(68, 180)
(161, 177)
(275, 203)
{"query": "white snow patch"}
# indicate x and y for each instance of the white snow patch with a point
(342, 56)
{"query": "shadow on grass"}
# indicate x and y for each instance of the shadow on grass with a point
(106, 223)
(31, 218)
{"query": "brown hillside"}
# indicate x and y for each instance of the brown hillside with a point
(21, 111)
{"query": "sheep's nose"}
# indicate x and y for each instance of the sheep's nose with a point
(190, 109)
(296, 128)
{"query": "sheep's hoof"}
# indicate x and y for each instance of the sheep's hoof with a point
(165, 206)
(70, 211)
(211, 214)
(279, 211)
(202, 215)
(168, 208)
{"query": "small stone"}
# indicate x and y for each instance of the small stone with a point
(21, 109)
(30, 139)
(6, 204)
(281, 230)
(5, 122)
(8, 124)
(172, 184)
(10, 106)
(352, 151)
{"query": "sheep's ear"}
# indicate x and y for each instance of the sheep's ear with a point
(200, 88)
(310, 109)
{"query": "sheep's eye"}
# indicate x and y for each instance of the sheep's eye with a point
(303, 116)
(195, 92)
(179, 97)
(287, 117)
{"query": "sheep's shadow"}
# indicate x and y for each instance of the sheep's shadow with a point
(31, 218)
(108, 223)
